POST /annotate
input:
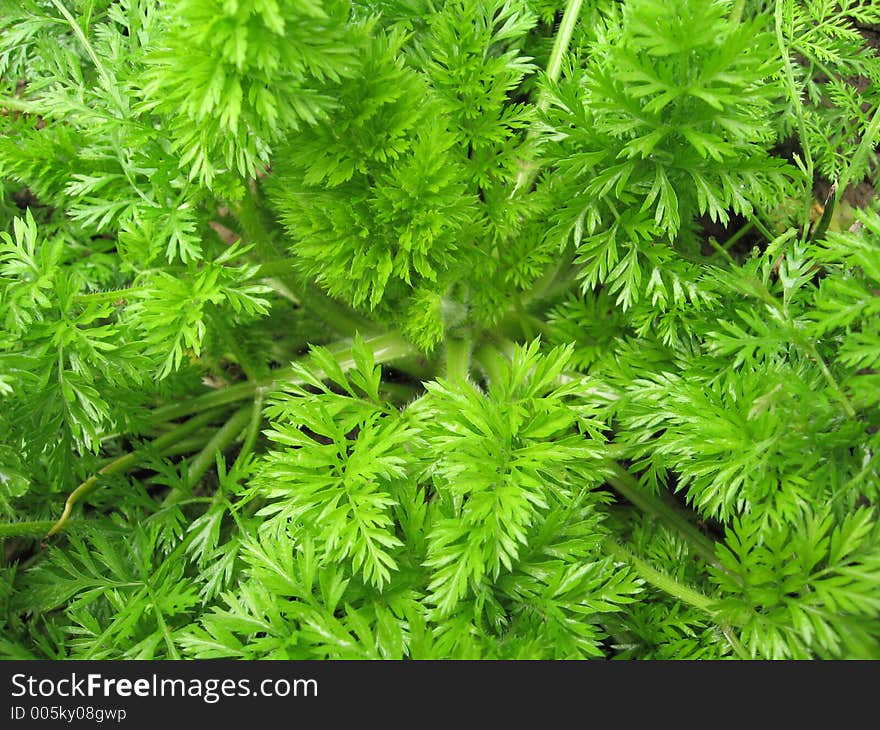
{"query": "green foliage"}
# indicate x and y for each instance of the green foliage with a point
(401, 200)
(420, 330)
(839, 77)
(669, 117)
(233, 77)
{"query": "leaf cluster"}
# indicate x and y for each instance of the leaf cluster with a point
(395, 329)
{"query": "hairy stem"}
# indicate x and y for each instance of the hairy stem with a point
(628, 487)
(25, 529)
(528, 170)
(672, 587)
(562, 41)
(458, 358)
(659, 580)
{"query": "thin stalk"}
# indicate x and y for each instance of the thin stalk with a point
(732, 241)
(343, 320)
(628, 487)
(18, 105)
(87, 46)
(722, 250)
(106, 78)
(659, 580)
(528, 170)
(213, 399)
(562, 41)
(869, 141)
(386, 348)
(253, 429)
(112, 295)
(735, 643)
(808, 167)
(126, 462)
(679, 591)
(830, 205)
(224, 436)
(25, 529)
(762, 226)
(188, 445)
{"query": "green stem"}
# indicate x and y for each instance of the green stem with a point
(562, 41)
(488, 357)
(528, 170)
(763, 226)
(458, 358)
(219, 441)
(252, 369)
(279, 267)
(821, 228)
(722, 250)
(256, 231)
(557, 282)
(212, 399)
(732, 241)
(108, 296)
(87, 46)
(869, 140)
(126, 462)
(18, 105)
(188, 445)
(386, 348)
(795, 97)
(253, 430)
(106, 79)
(628, 487)
(659, 580)
(812, 352)
(672, 587)
(25, 529)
